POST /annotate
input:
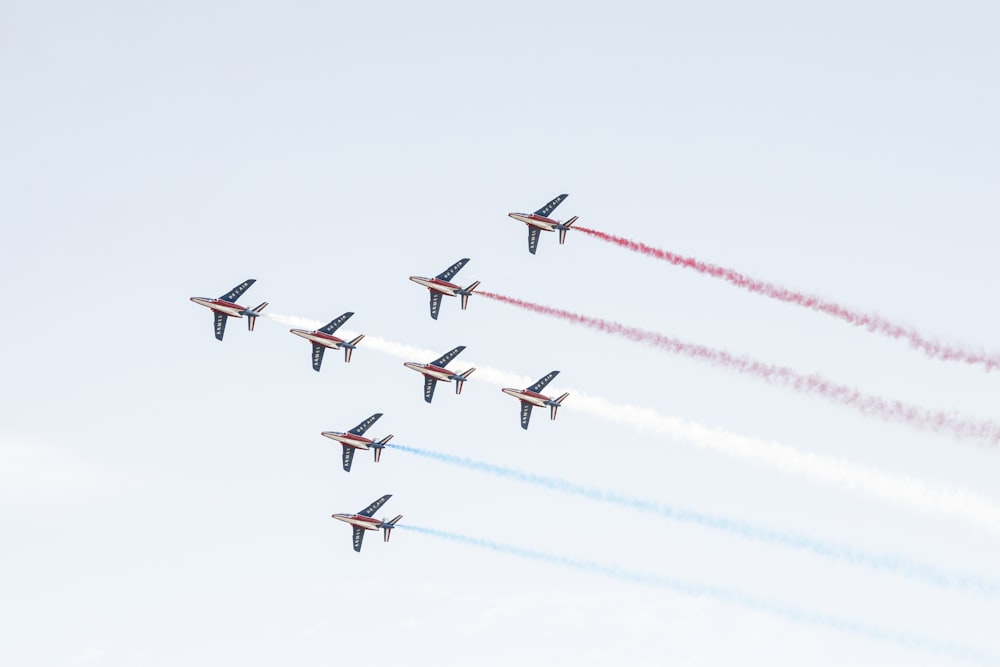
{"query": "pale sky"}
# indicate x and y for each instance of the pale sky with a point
(165, 498)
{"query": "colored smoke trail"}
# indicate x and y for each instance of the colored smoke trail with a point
(887, 409)
(901, 566)
(848, 476)
(733, 597)
(871, 322)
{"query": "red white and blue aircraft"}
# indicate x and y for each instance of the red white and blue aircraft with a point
(323, 338)
(225, 307)
(539, 221)
(363, 521)
(530, 398)
(353, 440)
(435, 371)
(440, 286)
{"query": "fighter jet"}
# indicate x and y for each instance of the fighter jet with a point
(323, 338)
(530, 398)
(363, 521)
(225, 307)
(539, 221)
(353, 440)
(436, 371)
(440, 286)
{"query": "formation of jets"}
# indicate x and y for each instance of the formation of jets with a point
(324, 338)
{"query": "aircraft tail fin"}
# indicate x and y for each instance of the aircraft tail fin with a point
(379, 446)
(467, 292)
(387, 526)
(554, 405)
(460, 380)
(253, 314)
(564, 227)
(349, 348)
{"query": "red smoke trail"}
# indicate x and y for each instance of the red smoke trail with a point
(871, 322)
(888, 409)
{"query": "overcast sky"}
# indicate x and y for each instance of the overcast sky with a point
(165, 498)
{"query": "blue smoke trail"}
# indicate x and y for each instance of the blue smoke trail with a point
(901, 566)
(775, 607)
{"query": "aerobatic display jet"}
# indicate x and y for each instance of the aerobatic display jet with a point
(440, 286)
(530, 398)
(354, 440)
(539, 221)
(225, 307)
(435, 371)
(363, 521)
(323, 338)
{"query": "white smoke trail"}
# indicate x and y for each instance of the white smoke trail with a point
(902, 490)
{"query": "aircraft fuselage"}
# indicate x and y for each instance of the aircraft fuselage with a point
(349, 439)
(220, 306)
(438, 285)
(535, 220)
(436, 372)
(534, 398)
(366, 522)
(319, 338)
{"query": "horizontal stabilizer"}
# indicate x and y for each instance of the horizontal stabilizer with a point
(377, 447)
(554, 405)
(387, 526)
(349, 348)
(467, 292)
(460, 380)
(253, 314)
(564, 227)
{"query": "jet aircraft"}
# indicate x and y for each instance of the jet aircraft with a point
(435, 371)
(530, 398)
(323, 338)
(354, 440)
(539, 221)
(440, 286)
(363, 521)
(225, 307)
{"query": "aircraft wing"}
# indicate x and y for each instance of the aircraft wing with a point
(525, 414)
(336, 324)
(220, 324)
(443, 360)
(318, 351)
(359, 535)
(448, 273)
(546, 210)
(533, 234)
(365, 425)
(429, 384)
(435, 304)
(235, 293)
(538, 386)
(348, 457)
(371, 509)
